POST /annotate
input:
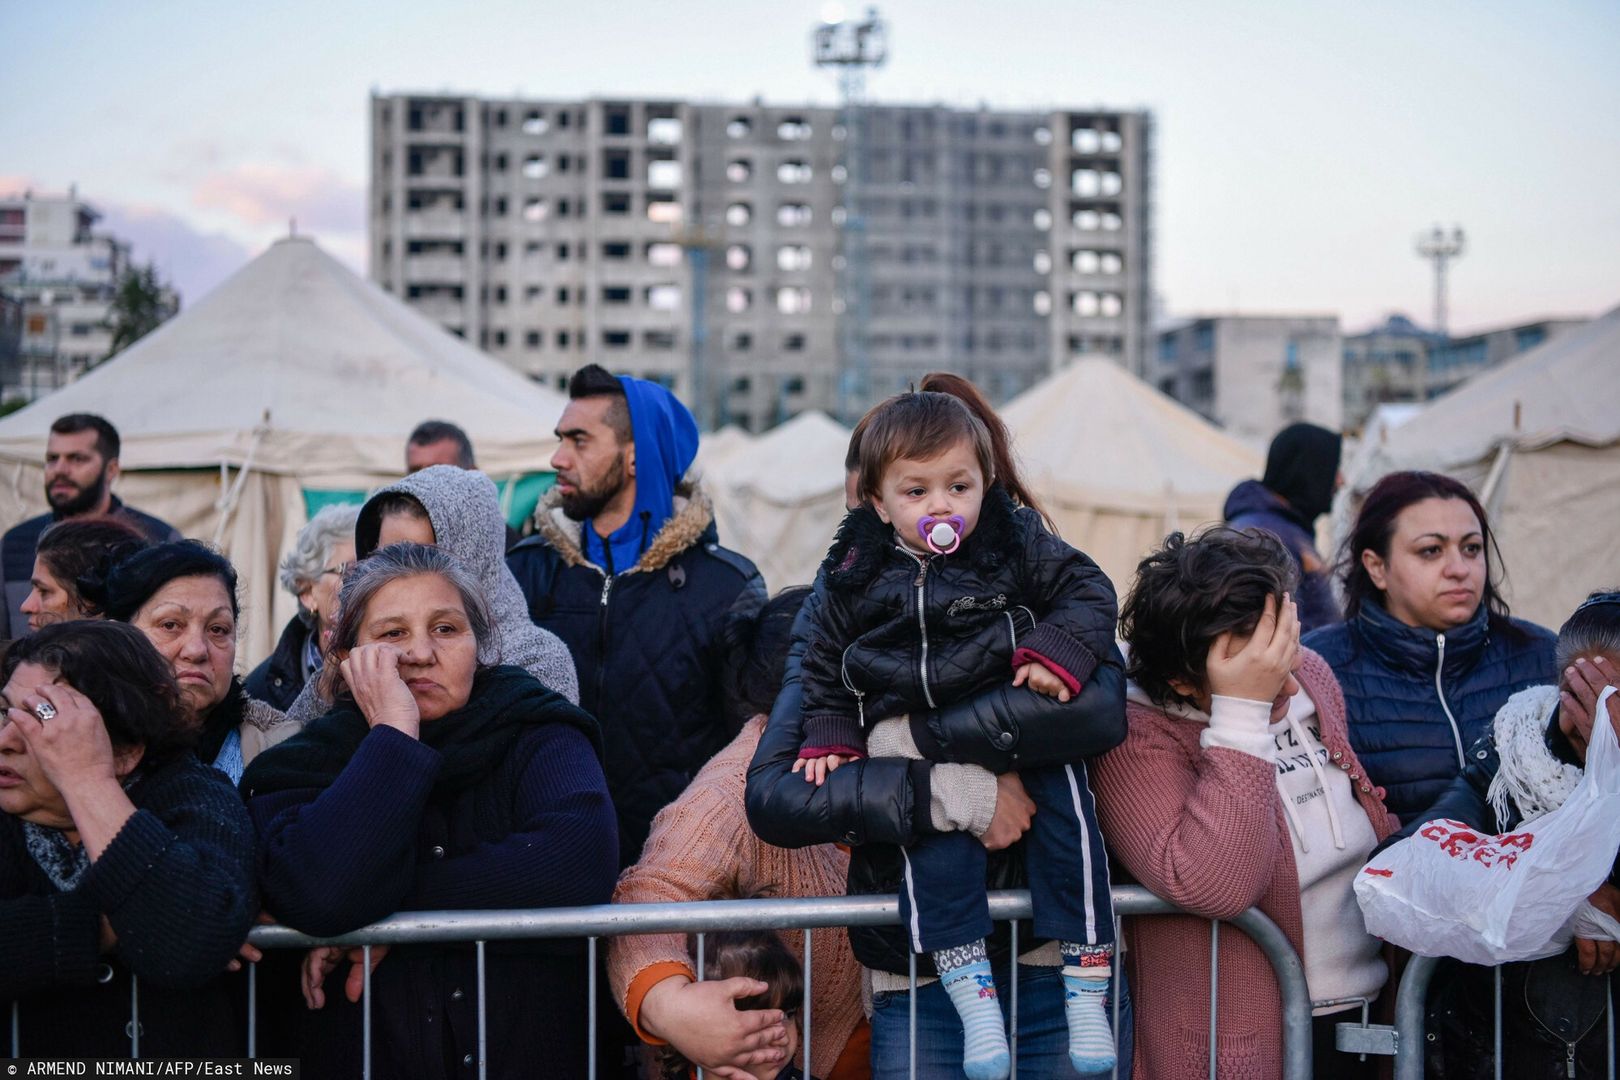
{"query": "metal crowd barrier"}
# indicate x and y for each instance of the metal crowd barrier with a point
(613, 920)
(1410, 1037)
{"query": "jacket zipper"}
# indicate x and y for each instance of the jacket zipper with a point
(922, 628)
(602, 638)
(1440, 692)
(860, 695)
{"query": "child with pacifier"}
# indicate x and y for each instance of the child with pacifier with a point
(938, 588)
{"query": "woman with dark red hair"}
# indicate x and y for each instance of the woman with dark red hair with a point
(1428, 652)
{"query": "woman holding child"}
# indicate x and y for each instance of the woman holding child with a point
(995, 650)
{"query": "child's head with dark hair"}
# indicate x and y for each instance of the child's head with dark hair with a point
(1001, 451)
(750, 954)
(1190, 592)
(918, 425)
(754, 654)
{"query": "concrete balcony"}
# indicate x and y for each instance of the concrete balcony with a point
(442, 311)
(435, 270)
(435, 224)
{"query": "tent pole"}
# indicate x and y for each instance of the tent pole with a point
(1491, 495)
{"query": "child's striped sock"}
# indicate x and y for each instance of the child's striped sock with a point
(1086, 970)
(965, 973)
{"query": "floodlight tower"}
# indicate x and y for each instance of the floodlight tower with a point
(852, 47)
(1440, 248)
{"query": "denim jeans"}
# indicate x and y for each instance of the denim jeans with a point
(1043, 1033)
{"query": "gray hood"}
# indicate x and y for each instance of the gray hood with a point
(465, 511)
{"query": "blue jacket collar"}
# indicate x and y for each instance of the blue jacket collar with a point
(1417, 648)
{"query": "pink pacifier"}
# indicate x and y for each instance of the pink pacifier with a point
(942, 536)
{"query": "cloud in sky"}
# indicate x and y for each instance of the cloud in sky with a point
(192, 259)
(262, 194)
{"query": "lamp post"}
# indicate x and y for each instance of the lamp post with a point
(1440, 248)
(852, 47)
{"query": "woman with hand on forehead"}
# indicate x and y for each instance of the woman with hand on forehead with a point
(122, 856)
(438, 779)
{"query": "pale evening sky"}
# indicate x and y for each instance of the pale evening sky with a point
(1301, 144)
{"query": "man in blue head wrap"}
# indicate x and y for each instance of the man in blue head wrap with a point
(625, 566)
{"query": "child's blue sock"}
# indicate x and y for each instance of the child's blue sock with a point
(965, 973)
(1086, 970)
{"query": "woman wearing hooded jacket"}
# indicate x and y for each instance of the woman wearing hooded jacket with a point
(459, 511)
(1427, 652)
(1302, 473)
(1526, 766)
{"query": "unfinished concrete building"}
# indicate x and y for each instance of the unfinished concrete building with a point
(764, 259)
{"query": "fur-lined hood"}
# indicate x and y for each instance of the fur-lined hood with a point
(865, 542)
(693, 518)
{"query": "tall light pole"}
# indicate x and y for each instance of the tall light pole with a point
(852, 47)
(1440, 248)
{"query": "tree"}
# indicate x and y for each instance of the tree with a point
(139, 305)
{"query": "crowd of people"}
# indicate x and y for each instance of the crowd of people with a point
(612, 708)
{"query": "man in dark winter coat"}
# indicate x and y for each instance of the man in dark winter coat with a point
(81, 464)
(627, 569)
(1302, 473)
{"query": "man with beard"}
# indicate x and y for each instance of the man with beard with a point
(625, 566)
(81, 463)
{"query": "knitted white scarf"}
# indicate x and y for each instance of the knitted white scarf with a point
(1530, 778)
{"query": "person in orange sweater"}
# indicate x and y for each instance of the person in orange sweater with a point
(701, 848)
(1236, 787)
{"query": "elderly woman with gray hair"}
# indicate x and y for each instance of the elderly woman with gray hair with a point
(437, 779)
(312, 571)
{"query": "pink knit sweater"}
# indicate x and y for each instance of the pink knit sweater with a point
(1205, 830)
(701, 848)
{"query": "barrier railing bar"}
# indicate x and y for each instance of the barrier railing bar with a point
(1013, 951)
(253, 1010)
(1214, 988)
(911, 1019)
(1610, 991)
(700, 950)
(1496, 1021)
(483, 1031)
(1410, 999)
(590, 1006)
(134, 1017)
(806, 1017)
(16, 1029)
(1119, 974)
(610, 920)
(365, 1013)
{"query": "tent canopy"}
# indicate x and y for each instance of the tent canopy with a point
(306, 367)
(1094, 435)
(1567, 390)
(1539, 439)
(294, 374)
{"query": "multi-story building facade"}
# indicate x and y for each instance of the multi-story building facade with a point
(1399, 362)
(60, 275)
(1255, 374)
(765, 259)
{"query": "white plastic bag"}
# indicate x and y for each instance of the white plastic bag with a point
(1450, 890)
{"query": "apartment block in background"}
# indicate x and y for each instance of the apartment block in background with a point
(1255, 374)
(58, 274)
(1399, 362)
(709, 246)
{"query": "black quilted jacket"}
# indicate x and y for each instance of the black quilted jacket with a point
(900, 633)
(876, 804)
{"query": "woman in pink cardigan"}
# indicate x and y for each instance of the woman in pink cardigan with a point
(1236, 788)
